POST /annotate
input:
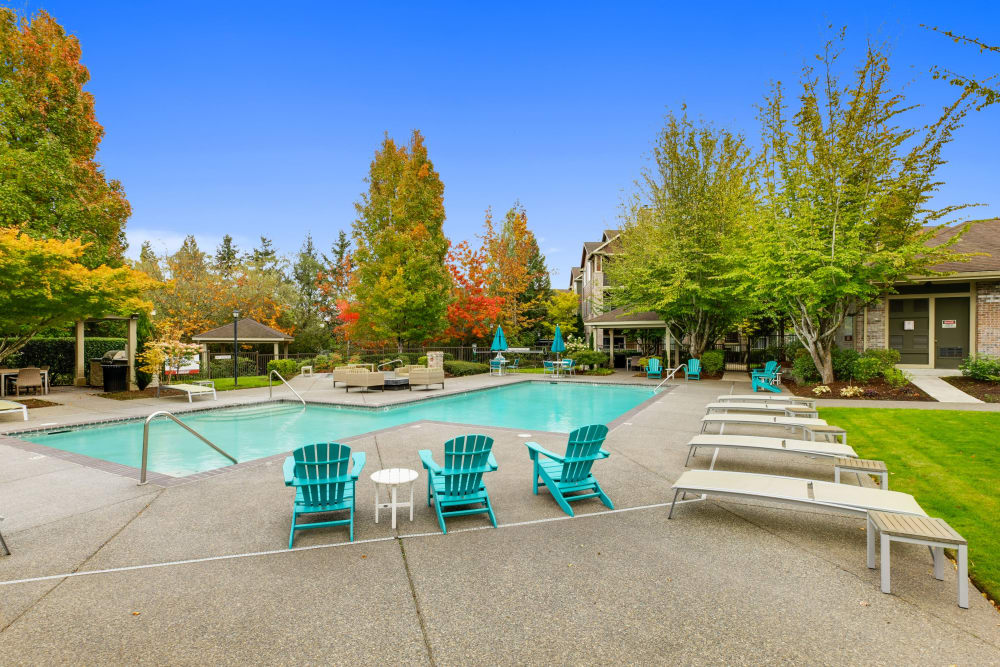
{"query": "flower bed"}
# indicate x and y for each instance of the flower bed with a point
(877, 389)
(984, 390)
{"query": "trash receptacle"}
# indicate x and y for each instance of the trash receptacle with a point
(115, 377)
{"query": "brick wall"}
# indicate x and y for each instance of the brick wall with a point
(875, 336)
(988, 318)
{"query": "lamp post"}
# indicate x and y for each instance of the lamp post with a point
(236, 365)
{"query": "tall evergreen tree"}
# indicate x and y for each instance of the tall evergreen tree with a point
(227, 256)
(51, 184)
(401, 283)
(264, 257)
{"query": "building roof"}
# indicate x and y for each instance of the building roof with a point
(623, 317)
(574, 275)
(248, 330)
(611, 233)
(984, 237)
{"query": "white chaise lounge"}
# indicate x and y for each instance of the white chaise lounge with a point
(780, 408)
(11, 406)
(845, 498)
(759, 443)
(198, 388)
(767, 398)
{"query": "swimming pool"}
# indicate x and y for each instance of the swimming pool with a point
(256, 431)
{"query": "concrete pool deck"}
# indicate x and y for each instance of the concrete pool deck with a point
(723, 582)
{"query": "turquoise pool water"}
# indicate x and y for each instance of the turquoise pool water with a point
(257, 431)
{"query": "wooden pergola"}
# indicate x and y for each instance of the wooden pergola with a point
(80, 375)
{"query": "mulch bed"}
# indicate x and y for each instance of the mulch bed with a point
(33, 403)
(876, 390)
(984, 390)
(148, 392)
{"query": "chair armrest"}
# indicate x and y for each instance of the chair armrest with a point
(288, 468)
(427, 459)
(358, 460)
(205, 383)
(492, 462)
(603, 453)
(534, 449)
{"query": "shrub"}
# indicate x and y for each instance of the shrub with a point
(223, 368)
(867, 368)
(981, 368)
(843, 363)
(896, 378)
(286, 367)
(803, 368)
(851, 391)
(589, 358)
(600, 371)
(821, 389)
(713, 361)
(460, 368)
(889, 358)
(422, 361)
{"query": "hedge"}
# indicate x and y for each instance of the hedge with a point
(460, 368)
(286, 367)
(59, 354)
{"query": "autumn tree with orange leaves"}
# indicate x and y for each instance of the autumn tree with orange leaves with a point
(472, 311)
(51, 185)
(517, 273)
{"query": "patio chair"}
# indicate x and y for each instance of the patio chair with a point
(11, 406)
(514, 367)
(654, 369)
(29, 378)
(569, 366)
(322, 484)
(766, 379)
(570, 473)
(496, 366)
(548, 367)
(845, 498)
(426, 377)
(460, 481)
(693, 370)
(363, 378)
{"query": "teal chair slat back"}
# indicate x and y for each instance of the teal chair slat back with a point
(694, 366)
(653, 365)
(584, 444)
(770, 367)
(321, 472)
(465, 459)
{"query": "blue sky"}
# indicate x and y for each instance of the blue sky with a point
(261, 118)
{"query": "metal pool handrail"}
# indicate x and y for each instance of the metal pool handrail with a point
(270, 391)
(670, 376)
(145, 441)
(388, 363)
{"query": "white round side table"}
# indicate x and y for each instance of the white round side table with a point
(392, 478)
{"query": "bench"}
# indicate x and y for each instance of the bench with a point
(935, 534)
(861, 466)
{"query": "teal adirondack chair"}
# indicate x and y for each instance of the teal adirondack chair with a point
(460, 480)
(653, 368)
(322, 483)
(766, 379)
(571, 473)
(693, 370)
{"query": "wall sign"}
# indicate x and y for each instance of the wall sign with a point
(949, 324)
(908, 325)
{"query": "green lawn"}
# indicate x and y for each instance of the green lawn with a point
(246, 382)
(949, 460)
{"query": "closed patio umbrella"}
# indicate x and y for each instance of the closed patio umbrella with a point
(499, 341)
(558, 346)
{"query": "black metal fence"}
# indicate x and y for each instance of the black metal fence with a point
(745, 352)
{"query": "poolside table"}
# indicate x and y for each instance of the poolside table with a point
(5, 372)
(392, 478)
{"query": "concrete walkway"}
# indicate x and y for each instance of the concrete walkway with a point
(942, 391)
(106, 571)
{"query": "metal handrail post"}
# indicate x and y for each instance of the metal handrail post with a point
(145, 441)
(270, 391)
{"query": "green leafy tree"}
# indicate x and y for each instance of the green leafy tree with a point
(227, 256)
(401, 284)
(681, 229)
(848, 180)
(51, 185)
(986, 90)
(562, 308)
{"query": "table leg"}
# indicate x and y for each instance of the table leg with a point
(938, 563)
(376, 502)
(394, 487)
(963, 576)
(885, 481)
(870, 538)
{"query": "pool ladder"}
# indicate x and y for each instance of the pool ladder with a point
(670, 376)
(270, 390)
(145, 440)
